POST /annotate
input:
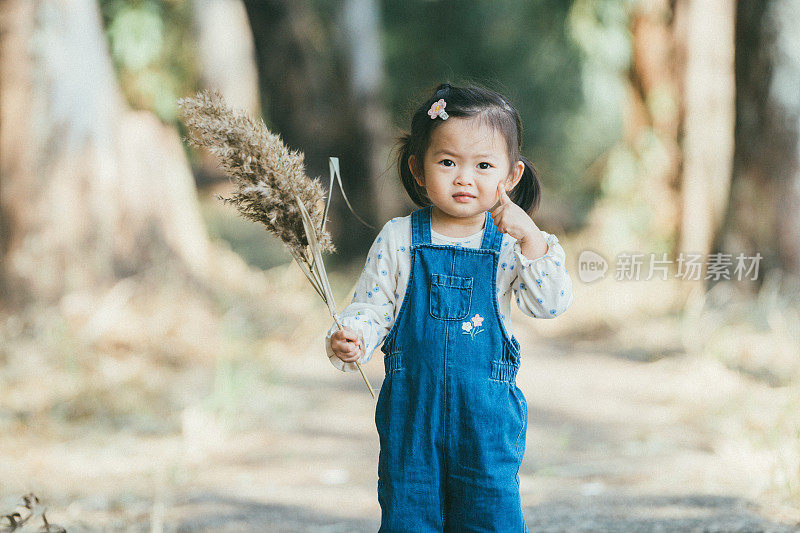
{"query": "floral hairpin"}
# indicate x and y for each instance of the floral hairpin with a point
(437, 109)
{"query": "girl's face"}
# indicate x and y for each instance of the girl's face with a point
(464, 164)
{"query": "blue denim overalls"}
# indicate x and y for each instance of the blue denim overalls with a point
(450, 417)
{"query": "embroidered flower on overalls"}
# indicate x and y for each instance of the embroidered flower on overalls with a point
(473, 327)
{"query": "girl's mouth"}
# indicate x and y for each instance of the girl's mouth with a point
(463, 197)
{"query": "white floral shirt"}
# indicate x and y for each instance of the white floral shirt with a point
(541, 287)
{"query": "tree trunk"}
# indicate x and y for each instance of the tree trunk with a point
(764, 216)
(654, 113)
(361, 32)
(305, 84)
(705, 31)
(226, 57)
(89, 190)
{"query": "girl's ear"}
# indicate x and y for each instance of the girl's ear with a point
(412, 166)
(515, 175)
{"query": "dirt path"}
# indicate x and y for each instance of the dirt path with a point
(616, 442)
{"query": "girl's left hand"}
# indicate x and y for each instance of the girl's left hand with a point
(510, 218)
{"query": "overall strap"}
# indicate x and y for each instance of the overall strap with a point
(421, 226)
(492, 238)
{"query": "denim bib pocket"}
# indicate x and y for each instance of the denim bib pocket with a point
(451, 296)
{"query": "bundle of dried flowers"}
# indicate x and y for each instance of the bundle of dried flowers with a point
(271, 185)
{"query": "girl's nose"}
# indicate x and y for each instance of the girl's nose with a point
(463, 178)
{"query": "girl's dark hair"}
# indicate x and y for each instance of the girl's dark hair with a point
(468, 101)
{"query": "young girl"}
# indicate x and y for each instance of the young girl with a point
(435, 289)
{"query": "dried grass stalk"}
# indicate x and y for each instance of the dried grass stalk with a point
(271, 185)
(267, 175)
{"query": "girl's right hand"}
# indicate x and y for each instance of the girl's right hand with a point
(347, 345)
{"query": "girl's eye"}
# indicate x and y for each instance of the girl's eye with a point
(488, 165)
(444, 161)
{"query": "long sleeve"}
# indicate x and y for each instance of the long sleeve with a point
(542, 286)
(372, 310)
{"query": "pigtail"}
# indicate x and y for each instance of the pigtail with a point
(528, 192)
(415, 192)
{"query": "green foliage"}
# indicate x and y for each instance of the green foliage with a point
(152, 51)
(136, 35)
(562, 64)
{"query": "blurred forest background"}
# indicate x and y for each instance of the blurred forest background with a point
(161, 359)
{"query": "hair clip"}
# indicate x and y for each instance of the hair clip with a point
(437, 109)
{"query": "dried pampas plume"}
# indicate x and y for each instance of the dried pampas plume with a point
(267, 175)
(271, 185)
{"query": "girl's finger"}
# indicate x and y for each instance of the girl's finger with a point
(344, 345)
(506, 197)
(349, 335)
(501, 190)
(496, 212)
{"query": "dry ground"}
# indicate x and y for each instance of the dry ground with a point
(626, 433)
